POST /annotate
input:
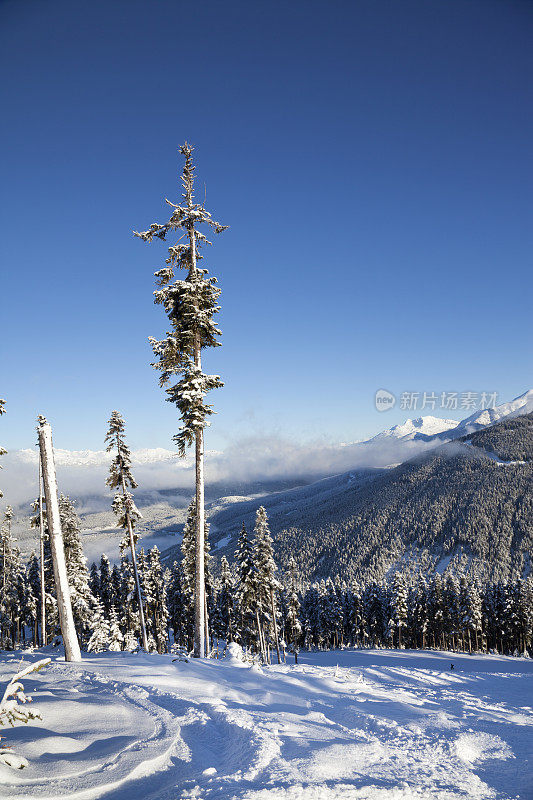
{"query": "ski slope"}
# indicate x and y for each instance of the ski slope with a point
(371, 725)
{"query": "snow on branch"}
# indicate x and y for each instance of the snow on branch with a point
(13, 710)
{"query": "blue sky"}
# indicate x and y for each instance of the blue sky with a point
(373, 160)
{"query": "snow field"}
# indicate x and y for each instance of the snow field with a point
(348, 724)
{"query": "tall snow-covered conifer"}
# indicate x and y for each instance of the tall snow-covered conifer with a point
(190, 306)
(120, 478)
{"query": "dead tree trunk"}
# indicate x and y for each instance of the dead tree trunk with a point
(64, 606)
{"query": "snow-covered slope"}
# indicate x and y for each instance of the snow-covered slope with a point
(350, 725)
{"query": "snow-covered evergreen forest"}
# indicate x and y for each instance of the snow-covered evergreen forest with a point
(447, 612)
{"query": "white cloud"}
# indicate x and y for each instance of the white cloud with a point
(82, 474)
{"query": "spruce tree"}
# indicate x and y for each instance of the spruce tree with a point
(246, 591)
(190, 306)
(225, 601)
(99, 639)
(176, 605)
(399, 605)
(267, 585)
(116, 639)
(120, 478)
(94, 581)
(34, 591)
(292, 622)
(8, 575)
(105, 584)
(78, 575)
(156, 601)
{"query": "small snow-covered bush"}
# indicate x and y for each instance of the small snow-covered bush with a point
(236, 656)
(12, 710)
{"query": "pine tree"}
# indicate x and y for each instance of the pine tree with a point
(267, 585)
(156, 603)
(190, 306)
(99, 639)
(292, 621)
(8, 575)
(105, 584)
(120, 478)
(399, 605)
(225, 608)
(34, 592)
(176, 605)
(116, 639)
(77, 572)
(94, 581)
(246, 591)
(127, 601)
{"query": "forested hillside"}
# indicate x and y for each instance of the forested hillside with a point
(510, 440)
(452, 505)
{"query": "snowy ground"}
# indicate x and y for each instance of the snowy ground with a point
(383, 725)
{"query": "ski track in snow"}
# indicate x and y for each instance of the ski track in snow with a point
(361, 725)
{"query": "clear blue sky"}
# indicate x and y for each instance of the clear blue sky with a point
(373, 159)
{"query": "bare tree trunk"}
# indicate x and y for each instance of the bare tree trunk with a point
(206, 616)
(64, 606)
(275, 623)
(41, 555)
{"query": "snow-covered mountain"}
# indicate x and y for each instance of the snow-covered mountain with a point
(523, 404)
(97, 458)
(428, 426)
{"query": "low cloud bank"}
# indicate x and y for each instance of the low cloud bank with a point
(83, 474)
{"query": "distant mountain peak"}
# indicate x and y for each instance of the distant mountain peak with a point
(521, 405)
(427, 425)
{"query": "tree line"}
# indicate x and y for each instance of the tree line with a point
(247, 602)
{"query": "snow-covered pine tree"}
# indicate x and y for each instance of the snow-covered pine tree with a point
(128, 604)
(7, 582)
(116, 639)
(38, 521)
(106, 587)
(94, 580)
(225, 609)
(399, 605)
(156, 600)
(6, 546)
(120, 478)
(246, 591)
(292, 621)
(267, 585)
(78, 575)
(34, 594)
(100, 633)
(14, 709)
(190, 306)
(176, 605)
